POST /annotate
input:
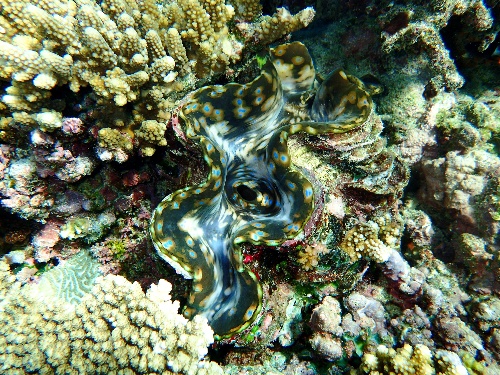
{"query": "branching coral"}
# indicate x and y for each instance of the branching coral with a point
(379, 240)
(418, 360)
(116, 327)
(308, 257)
(123, 50)
(271, 28)
(375, 239)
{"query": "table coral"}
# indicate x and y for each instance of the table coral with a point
(115, 327)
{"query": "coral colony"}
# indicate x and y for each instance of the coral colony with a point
(202, 187)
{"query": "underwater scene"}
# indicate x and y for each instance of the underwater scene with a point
(250, 187)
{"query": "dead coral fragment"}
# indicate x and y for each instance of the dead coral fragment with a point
(418, 360)
(422, 30)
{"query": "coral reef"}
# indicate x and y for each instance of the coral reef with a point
(395, 265)
(114, 327)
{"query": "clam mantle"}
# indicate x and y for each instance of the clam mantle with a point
(253, 193)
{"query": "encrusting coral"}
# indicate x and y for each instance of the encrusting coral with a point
(115, 327)
(71, 281)
(24, 192)
(124, 50)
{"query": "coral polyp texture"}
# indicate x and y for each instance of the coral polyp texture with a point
(122, 50)
(252, 193)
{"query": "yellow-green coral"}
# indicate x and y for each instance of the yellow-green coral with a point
(152, 133)
(408, 360)
(270, 28)
(247, 10)
(116, 144)
(308, 257)
(374, 239)
(115, 328)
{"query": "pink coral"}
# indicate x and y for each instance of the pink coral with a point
(72, 125)
(23, 192)
(45, 239)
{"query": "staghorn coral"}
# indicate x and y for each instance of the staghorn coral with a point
(123, 50)
(115, 327)
(341, 172)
